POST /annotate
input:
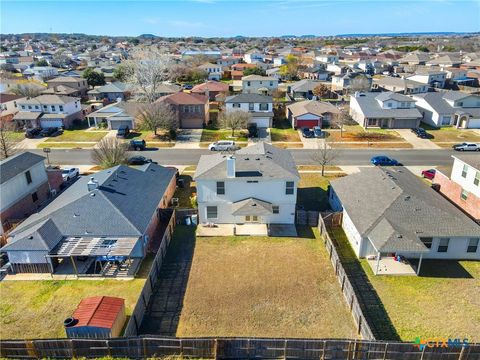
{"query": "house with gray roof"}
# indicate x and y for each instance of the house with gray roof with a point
(255, 185)
(384, 110)
(390, 212)
(303, 89)
(98, 223)
(110, 92)
(260, 107)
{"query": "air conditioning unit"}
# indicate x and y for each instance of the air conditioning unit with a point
(174, 202)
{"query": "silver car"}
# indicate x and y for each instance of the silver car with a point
(467, 147)
(222, 145)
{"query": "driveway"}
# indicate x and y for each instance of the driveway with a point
(309, 143)
(28, 144)
(415, 141)
(263, 135)
(188, 138)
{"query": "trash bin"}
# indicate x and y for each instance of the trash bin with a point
(188, 221)
(181, 183)
(194, 219)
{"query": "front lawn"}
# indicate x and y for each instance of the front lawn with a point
(66, 145)
(78, 135)
(15, 136)
(289, 135)
(263, 287)
(36, 309)
(357, 134)
(212, 135)
(450, 135)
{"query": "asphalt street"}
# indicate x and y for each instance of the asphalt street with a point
(354, 157)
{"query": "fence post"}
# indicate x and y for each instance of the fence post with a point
(462, 353)
(215, 349)
(359, 324)
(323, 350)
(385, 353)
(285, 349)
(144, 345)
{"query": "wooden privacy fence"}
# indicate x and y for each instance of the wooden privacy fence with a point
(231, 348)
(139, 311)
(363, 328)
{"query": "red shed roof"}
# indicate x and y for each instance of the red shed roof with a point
(98, 311)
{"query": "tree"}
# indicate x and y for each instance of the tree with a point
(234, 120)
(41, 62)
(321, 91)
(290, 69)
(7, 144)
(26, 90)
(324, 155)
(94, 78)
(121, 73)
(109, 152)
(341, 119)
(254, 71)
(360, 82)
(158, 116)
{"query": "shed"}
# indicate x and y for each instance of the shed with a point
(97, 317)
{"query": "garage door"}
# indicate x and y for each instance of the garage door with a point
(306, 124)
(261, 122)
(406, 123)
(114, 125)
(192, 123)
(50, 123)
(474, 124)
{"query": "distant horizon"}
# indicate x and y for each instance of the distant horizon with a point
(228, 19)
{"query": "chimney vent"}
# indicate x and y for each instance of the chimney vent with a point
(231, 166)
(92, 184)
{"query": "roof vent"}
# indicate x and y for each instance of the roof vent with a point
(258, 159)
(76, 215)
(399, 236)
(92, 184)
(30, 237)
(246, 159)
(407, 197)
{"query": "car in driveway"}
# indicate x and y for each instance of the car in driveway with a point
(51, 131)
(420, 132)
(223, 145)
(307, 133)
(139, 160)
(317, 132)
(429, 174)
(252, 130)
(123, 131)
(383, 160)
(466, 147)
(138, 145)
(32, 133)
(70, 173)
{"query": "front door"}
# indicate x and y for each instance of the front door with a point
(251, 218)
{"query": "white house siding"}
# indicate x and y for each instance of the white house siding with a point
(474, 123)
(353, 235)
(457, 250)
(467, 182)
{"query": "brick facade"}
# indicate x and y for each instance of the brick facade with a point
(452, 191)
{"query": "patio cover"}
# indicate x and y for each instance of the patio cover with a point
(252, 206)
(94, 246)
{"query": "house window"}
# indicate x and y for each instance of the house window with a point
(252, 181)
(264, 107)
(271, 83)
(464, 194)
(23, 107)
(220, 188)
(236, 106)
(464, 170)
(389, 105)
(248, 83)
(45, 107)
(427, 242)
(29, 107)
(52, 107)
(212, 212)
(473, 245)
(250, 106)
(276, 209)
(34, 197)
(443, 245)
(476, 181)
(15, 103)
(289, 190)
(29, 177)
(372, 122)
(60, 107)
(36, 107)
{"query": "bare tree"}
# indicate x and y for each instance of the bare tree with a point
(341, 119)
(321, 91)
(27, 90)
(156, 116)
(8, 146)
(234, 120)
(324, 155)
(109, 152)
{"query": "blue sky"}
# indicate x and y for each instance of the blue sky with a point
(230, 18)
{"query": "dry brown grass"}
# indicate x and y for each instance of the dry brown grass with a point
(256, 286)
(375, 145)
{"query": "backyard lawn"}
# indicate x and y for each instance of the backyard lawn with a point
(263, 286)
(312, 191)
(186, 195)
(211, 135)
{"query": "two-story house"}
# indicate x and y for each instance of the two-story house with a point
(9, 106)
(67, 85)
(455, 108)
(256, 84)
(463, 186)
(192, 110)
(257, 184)
(110, 92)
(384, 110)
(214, 71)
(259, 106)
(212, 89)
(351, 82)
(41, 73)
(432, 78)
(399, 85)
(47, 111)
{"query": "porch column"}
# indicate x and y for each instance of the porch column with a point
(378, 263)
(88, 119)
(74, 265)
(419, 264)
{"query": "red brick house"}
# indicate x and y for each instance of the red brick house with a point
(192, 109)
(211, 89)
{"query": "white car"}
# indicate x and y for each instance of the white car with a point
(70, 173)
(466, 147)
(222, 146)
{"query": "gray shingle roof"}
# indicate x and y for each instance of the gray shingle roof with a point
(371, 108)
(312, 106)
(394, 208)
(42, 236)
(17, 164)
(388, 95)
(248, 98)
(305, 85)
(251, 206)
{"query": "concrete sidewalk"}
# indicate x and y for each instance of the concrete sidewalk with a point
(28, 144)
(188, 139)
(415, 141)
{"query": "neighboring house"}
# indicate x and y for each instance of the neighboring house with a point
(399, 85)
(303, 89)
(257, 84)
(463, 186)
(259, 106)
(327, 58)
(310, 113)
(415, 58)
(123, 113)
(41, 73)
(444, 61)
(192, 110)
(253, 57)
(48, 111)
(351, 82)
(384, 110)
(109, 218)
(455, 108)
(258, 184)
(459, 77)
(433, 78)
(228, 61)
(211, 89)
(406, 218)
(214, 71)
(72, 86)
(110, 92)
(314, 74)
(26, 185)
(8, 106)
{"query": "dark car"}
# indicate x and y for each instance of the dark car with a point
(123, 131)
(139, 160)
(32, 133)
(51, 131)
(188, 87)
(384, 161)
(138, 145)
(317, 132)
(429, 174)
(252, 131)
(307, 133)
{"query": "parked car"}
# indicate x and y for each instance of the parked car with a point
(429, 174)
(188, 86)
(138, 145)
(70, 173)
(307, 133)
(51, 131)
(466, 147)
(252, 131)
(32, 133)
(139, 160)
(384, 161)
(317, 132)
(223, 145)
(123, 131)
